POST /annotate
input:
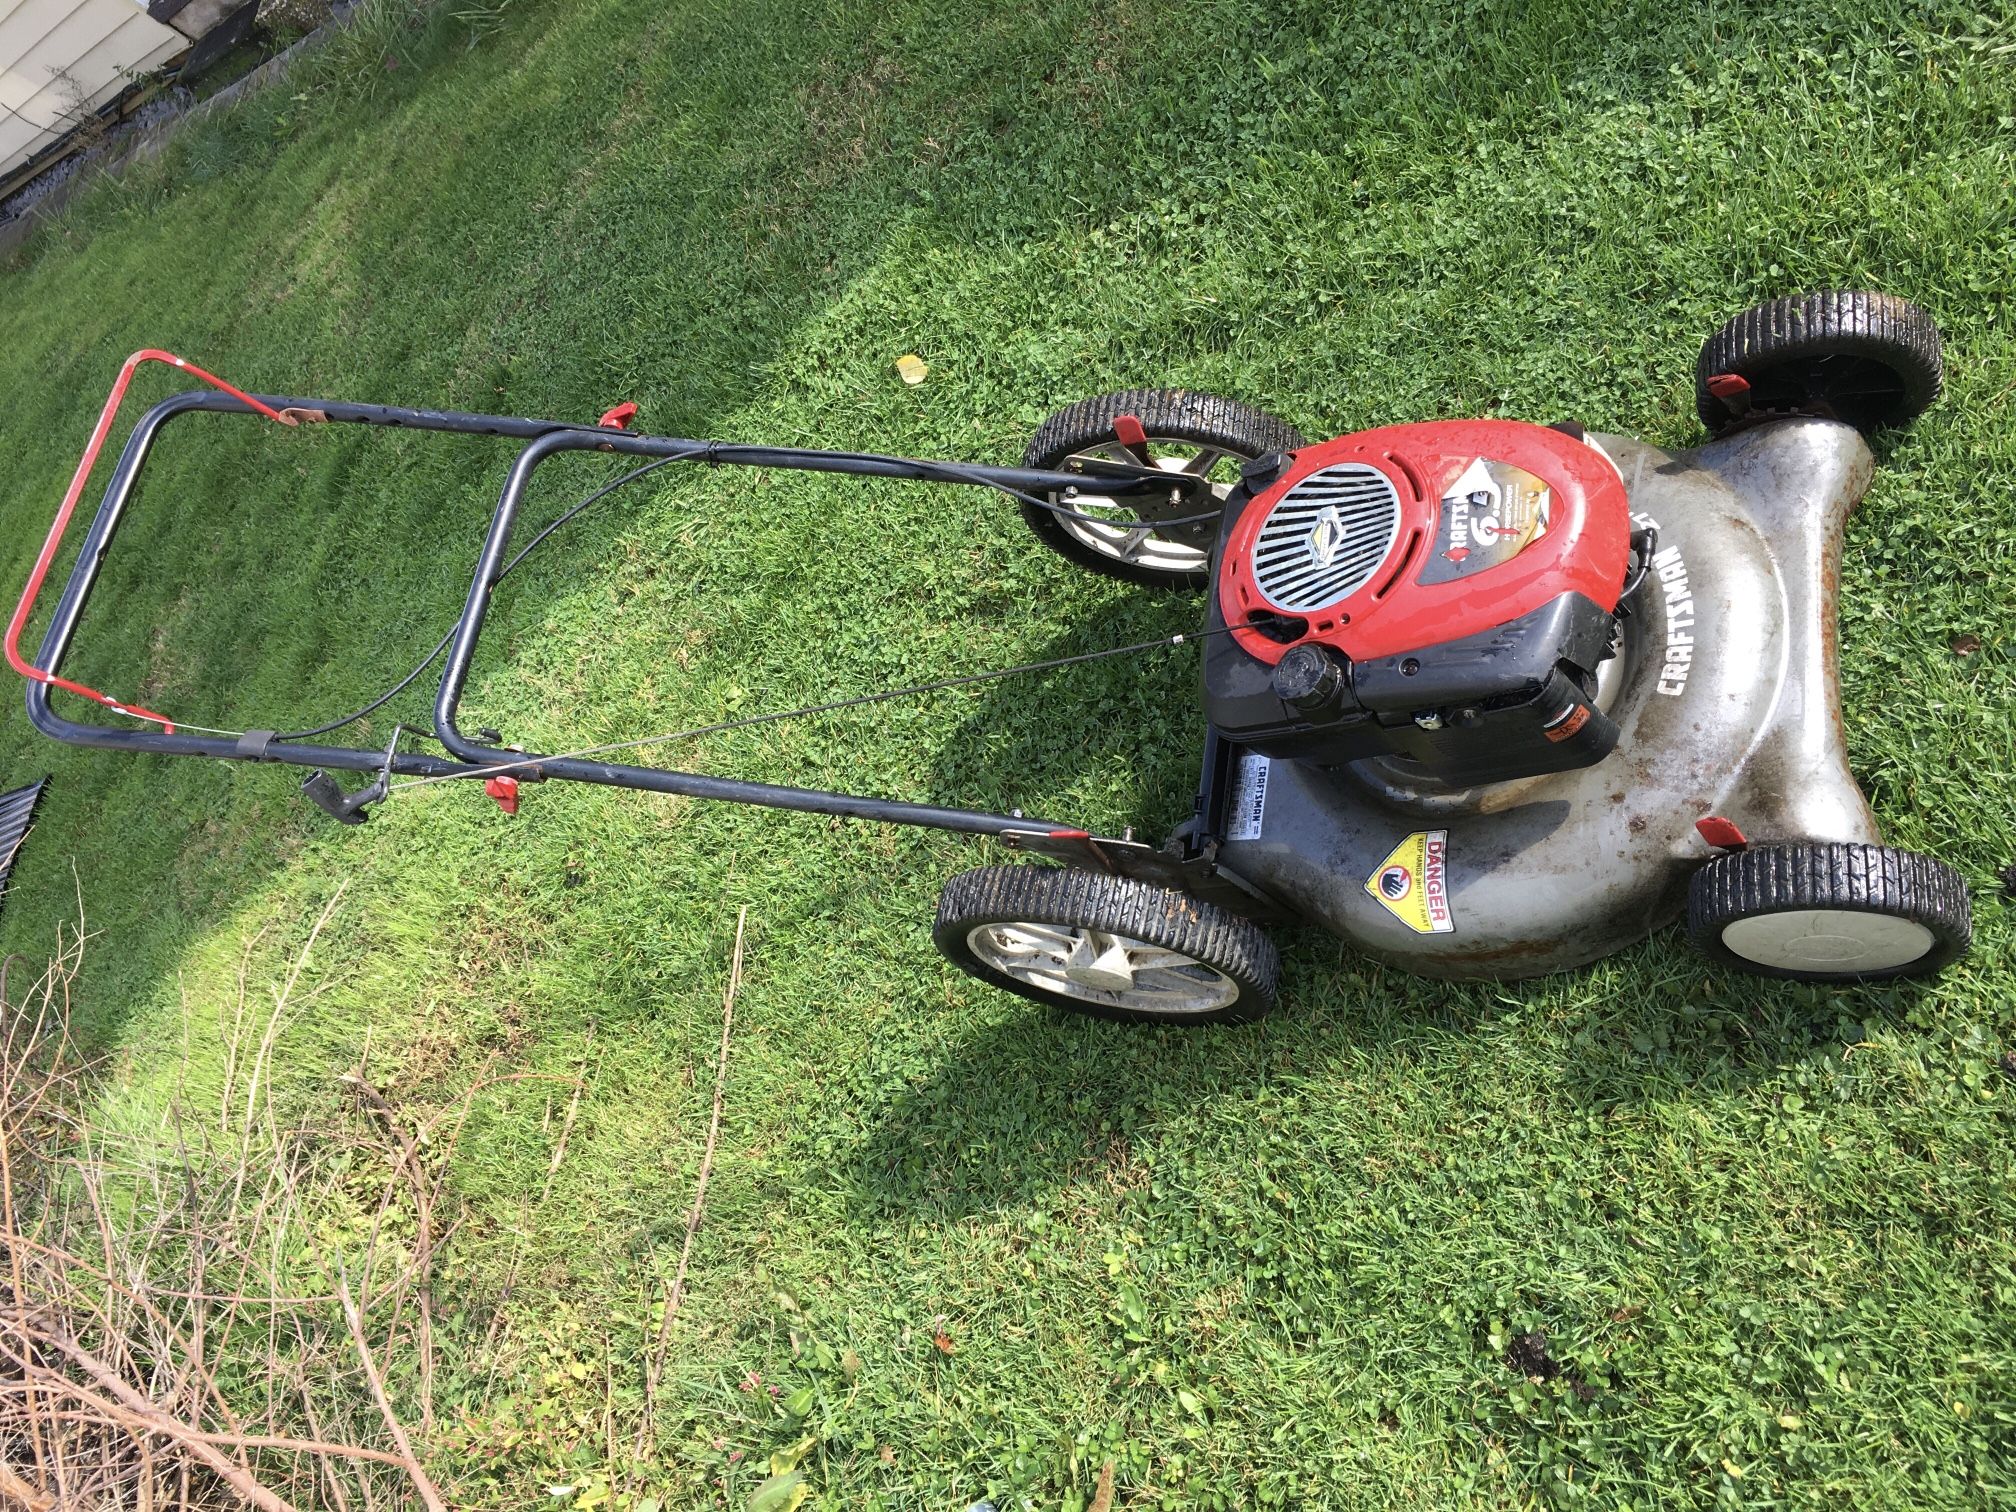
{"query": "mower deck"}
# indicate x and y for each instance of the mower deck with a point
(1730, 707)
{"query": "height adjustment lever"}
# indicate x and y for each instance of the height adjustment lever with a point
(1133, 437)
(1733, 389)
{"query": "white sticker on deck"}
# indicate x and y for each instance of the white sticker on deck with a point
(1249, 798)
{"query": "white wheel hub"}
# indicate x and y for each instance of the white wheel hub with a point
(1828, 940)
(1095, 966)
(1142, 545)
(1107, 969)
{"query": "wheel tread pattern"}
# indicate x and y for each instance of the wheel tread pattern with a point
(1831, 875)
(1070, 896)
(1833, 321)
(1208, 418)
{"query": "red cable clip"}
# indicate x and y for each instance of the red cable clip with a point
(505, 791)
(618, 418)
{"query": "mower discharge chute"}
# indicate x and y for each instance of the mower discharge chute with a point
(1487, 699)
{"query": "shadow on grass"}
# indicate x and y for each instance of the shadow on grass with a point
(1033, 1101)
(1124, 733)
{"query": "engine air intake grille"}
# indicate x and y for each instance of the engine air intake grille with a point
(1326, 537)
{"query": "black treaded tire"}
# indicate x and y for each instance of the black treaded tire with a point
(1166, 415)
(1852, 895)
(1868, 359)
(1072, 899)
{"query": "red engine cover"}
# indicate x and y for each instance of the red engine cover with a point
(1395, 539)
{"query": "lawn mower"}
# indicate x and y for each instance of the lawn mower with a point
(1488, 699)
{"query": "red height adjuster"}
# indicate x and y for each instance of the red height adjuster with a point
(1721, 833)
(54, 543)
(1132, 434)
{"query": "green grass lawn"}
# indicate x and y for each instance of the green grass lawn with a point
(1769, 1231)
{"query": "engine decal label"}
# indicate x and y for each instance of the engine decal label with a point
(1412, 883)
(1490, 512)
(1249, 798)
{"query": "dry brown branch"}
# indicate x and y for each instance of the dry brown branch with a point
(141, 1413)
(235, 1037)
(137, 1265)
(355, 1320)
(335, 1481)
(677, 1291)
(262, 1057)
(19, 1061)
(20, 1494)
(108, 1412)
(423, 1204)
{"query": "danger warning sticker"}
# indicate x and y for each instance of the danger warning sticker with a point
(1413, 882)
(1491, 511)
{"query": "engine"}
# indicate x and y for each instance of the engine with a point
(1438, 594)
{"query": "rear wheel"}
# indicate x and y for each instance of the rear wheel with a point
(1870, 360)
(1830, 912)
(1198, 434)
(1106, 946)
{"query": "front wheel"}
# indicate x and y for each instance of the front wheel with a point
(1830, 912)
(1110, 947)
(1198, 434)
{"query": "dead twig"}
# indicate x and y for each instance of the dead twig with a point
(677, 1290)
(262, 1057)
(137, 1406)
(421, 1482)
(423, 1204)
(110, 1412)
(20, 1494)
(236, 1036)
(110, 1365)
